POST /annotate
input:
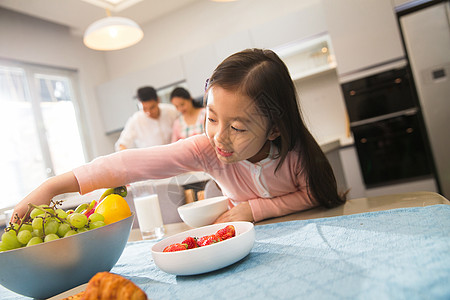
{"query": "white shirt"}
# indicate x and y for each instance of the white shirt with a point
(141, 131)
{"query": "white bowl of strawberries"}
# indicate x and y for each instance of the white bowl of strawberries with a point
(204, 249)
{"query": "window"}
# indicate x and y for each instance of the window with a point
(39, 127)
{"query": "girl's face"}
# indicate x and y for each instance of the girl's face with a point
(235, 128)
(182, 105)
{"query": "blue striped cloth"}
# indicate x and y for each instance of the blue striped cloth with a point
(395, 254)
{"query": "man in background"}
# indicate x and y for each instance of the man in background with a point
(151, 125)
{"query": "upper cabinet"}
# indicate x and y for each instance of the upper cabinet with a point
(364, 33)
(305, 58)
(198, 65)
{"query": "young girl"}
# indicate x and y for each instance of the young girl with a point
(192, 118)
(255, 146)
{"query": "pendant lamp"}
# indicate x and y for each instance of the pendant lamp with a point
(112, 33)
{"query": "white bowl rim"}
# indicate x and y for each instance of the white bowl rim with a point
(186, 234)
(204, 202)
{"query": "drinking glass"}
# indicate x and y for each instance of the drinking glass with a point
(148, 211)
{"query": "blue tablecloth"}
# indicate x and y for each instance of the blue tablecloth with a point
(394, 254)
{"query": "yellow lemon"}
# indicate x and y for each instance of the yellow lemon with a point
(114, 208)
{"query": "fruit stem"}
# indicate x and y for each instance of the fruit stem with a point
(54, 215)
(21, 222)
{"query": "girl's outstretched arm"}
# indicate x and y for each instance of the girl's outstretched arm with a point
(64, 183)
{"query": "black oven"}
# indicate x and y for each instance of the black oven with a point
(390, 139)
(391, 150)
(378, 95)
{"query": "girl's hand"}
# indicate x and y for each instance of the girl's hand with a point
(38, 196)
(64, 183)
(241, 212)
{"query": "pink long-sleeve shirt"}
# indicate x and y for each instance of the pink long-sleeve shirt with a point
(269, 194)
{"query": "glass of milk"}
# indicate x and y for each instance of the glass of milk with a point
(149, 215)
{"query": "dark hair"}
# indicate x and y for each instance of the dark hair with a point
(183, 93)
(146, 93)
(261, 75)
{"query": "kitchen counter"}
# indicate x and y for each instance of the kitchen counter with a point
(353, 206)
(388, 247)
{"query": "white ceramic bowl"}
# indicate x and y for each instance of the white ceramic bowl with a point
(47, 269)
(203, 212)
(207, 258)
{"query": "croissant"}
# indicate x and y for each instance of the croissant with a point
(109, 286)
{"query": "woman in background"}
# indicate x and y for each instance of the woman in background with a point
(192, 118)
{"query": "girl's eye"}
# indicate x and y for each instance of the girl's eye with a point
(211, 120)
(238, 130)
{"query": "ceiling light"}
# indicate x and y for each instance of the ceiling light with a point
(112, 33)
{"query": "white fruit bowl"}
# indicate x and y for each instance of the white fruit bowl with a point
(203, 212)
(44, 270)
(207, 258)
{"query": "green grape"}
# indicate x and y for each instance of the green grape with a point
(2, 247)
(63, 229)
(51, 227)
(24, 236)
(9, 240)
(47, 208)
(61, 213)
(38, 233)
(69, 216)
(50, 237)
(70, 232)
(96, 224)
(26, 227)
(35, 212)
(83, 229)
(78, 220)
(34, 241)
(37, 223)
(96, 217)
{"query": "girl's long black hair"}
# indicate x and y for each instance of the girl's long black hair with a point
(263, 76)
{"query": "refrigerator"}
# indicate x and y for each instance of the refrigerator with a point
(425, 28)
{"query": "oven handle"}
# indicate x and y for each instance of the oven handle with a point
(406, 112)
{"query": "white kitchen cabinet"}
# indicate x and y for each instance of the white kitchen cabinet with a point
(308, 57)
(199, 64)
(301, 24)
(352, 172)
(364, 33)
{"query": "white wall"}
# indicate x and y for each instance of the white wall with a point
(205, 22)
(32, 40)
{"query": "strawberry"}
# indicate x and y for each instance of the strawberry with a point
(175, 247)
(208, 240)
(190, 242)
(227, 232)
